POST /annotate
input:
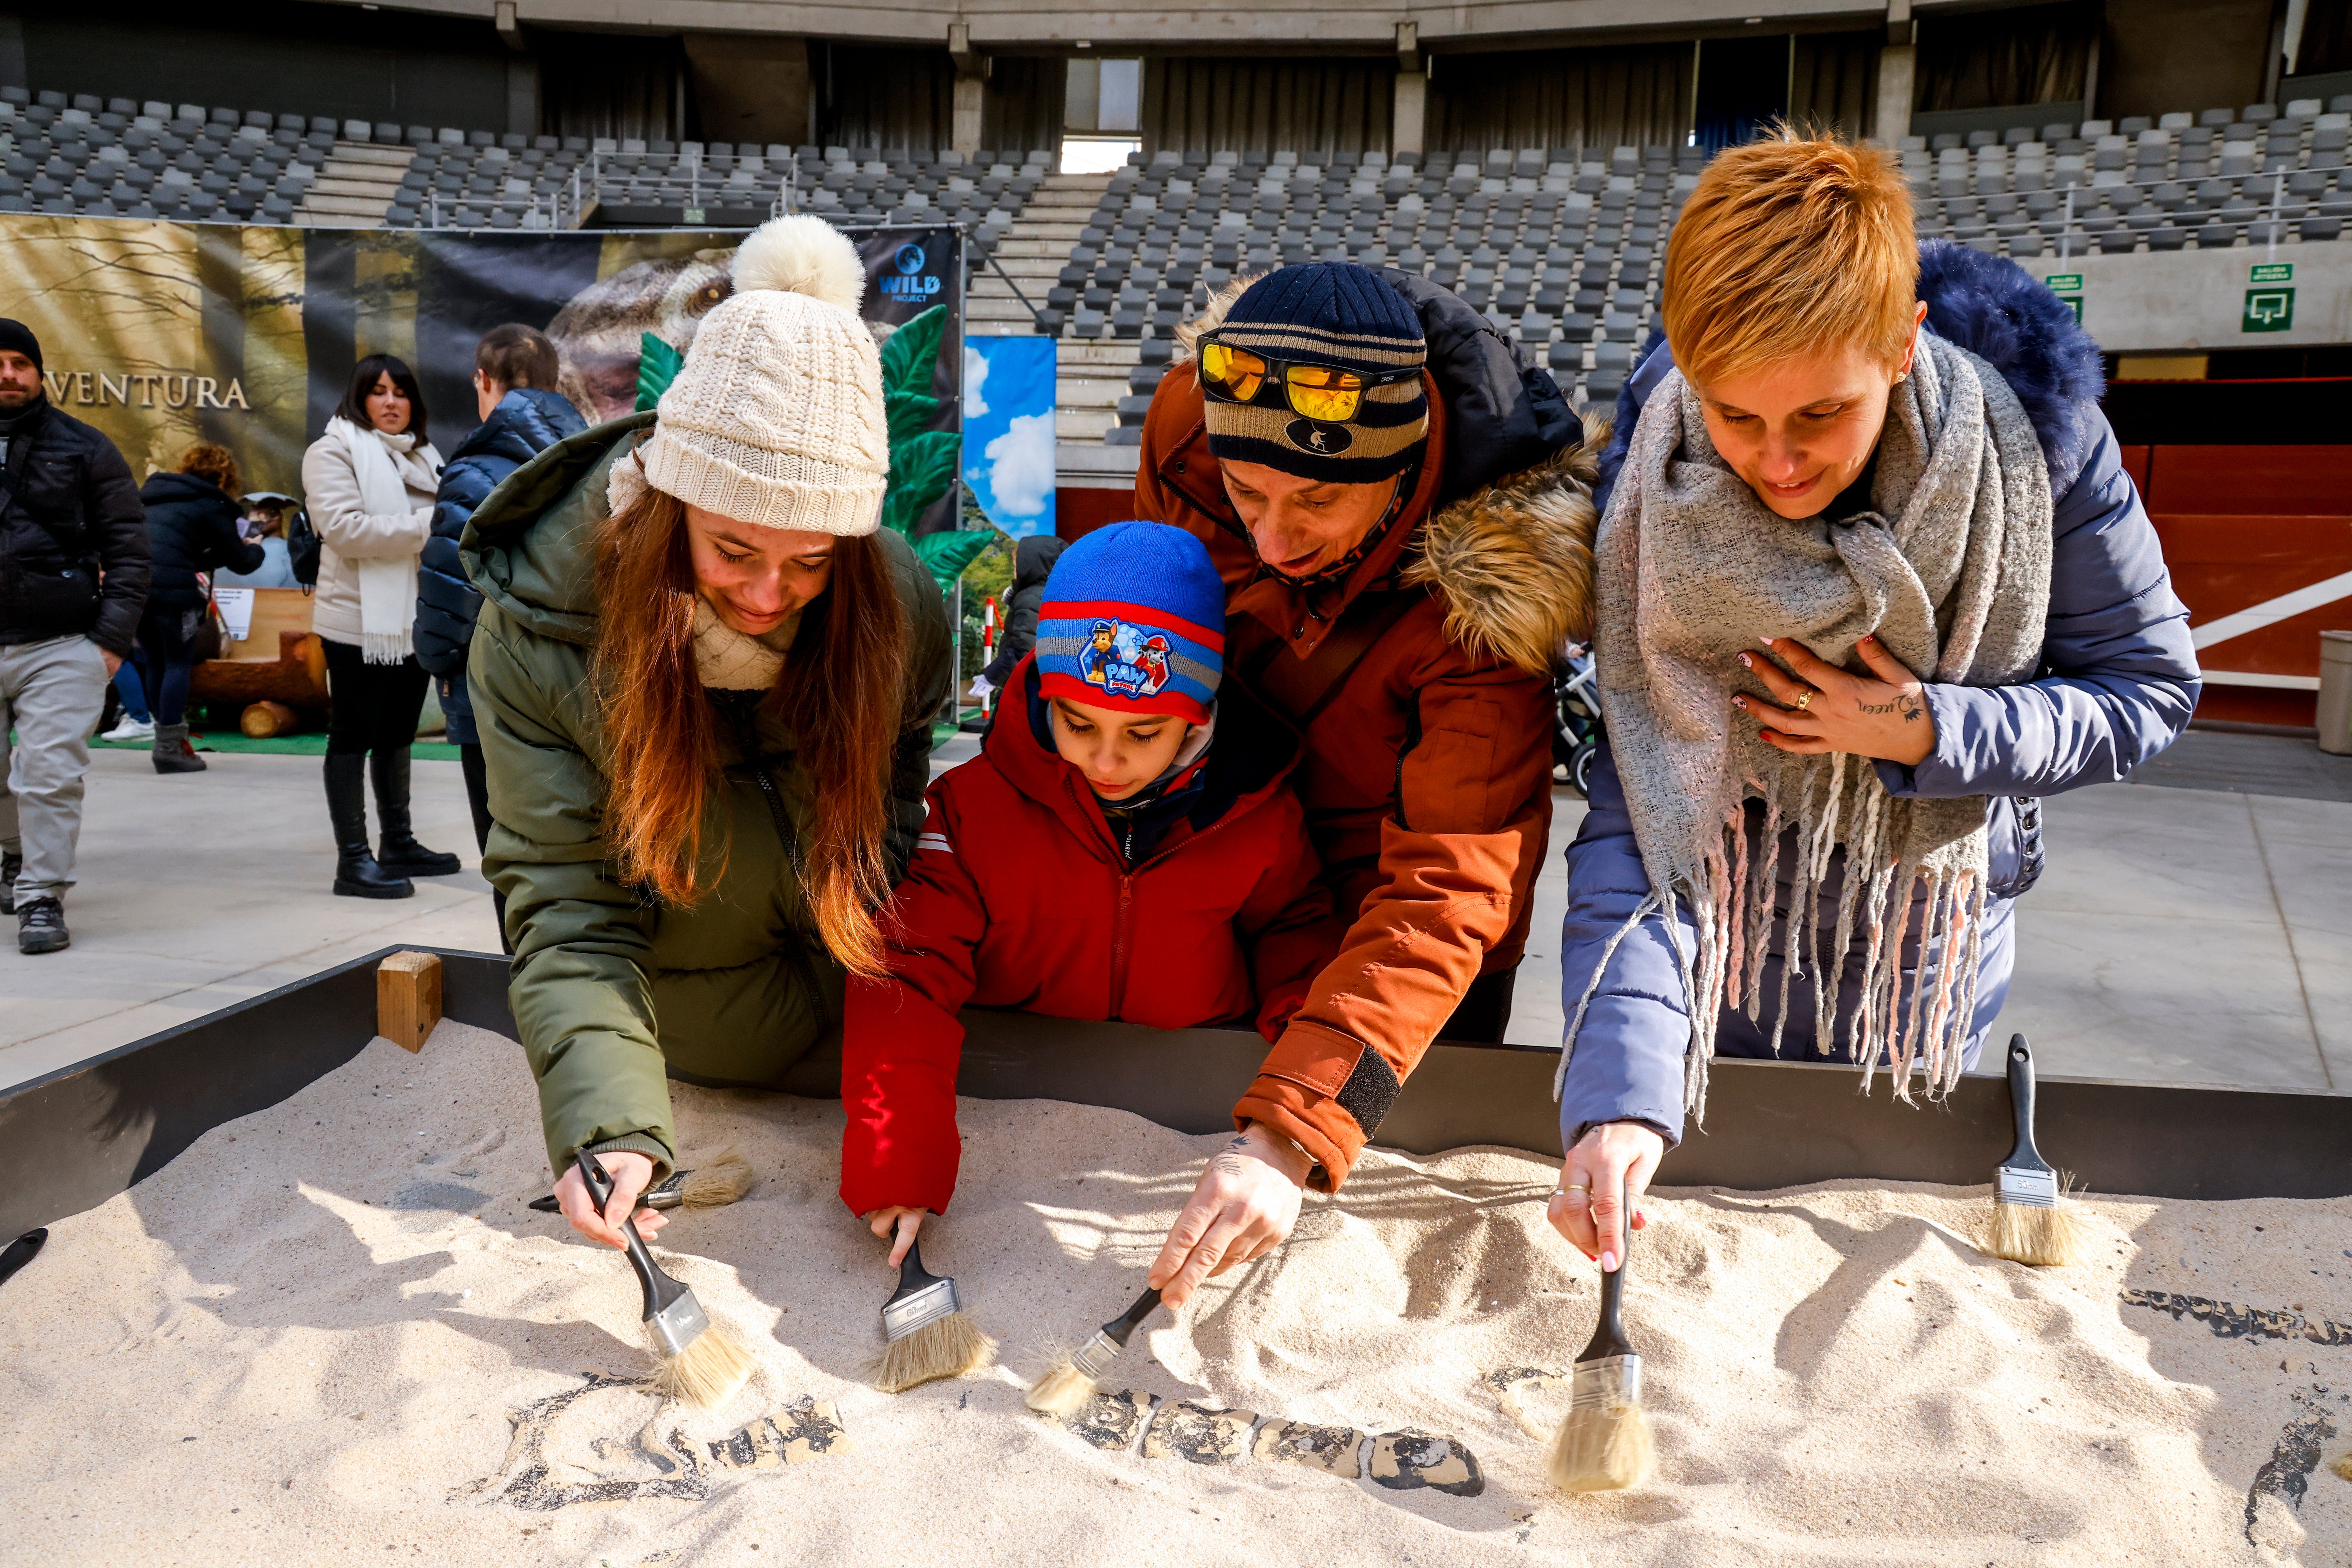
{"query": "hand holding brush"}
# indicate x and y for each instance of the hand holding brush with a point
(927, 1334)
(695, 1361)
(1604, 1442)
(717, 1179)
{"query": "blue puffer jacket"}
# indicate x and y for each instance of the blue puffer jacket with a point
(2120, 681)
(525, 423)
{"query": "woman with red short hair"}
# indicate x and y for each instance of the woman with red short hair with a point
(1871, 581)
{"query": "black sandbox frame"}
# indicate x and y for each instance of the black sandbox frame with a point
(72, 1140)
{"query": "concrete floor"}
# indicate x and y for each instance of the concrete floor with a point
(2180, 935)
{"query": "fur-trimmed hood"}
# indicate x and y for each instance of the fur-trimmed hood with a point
(1514, 561)
(1509, 544)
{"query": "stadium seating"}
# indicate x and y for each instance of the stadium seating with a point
(117, 158)
(1560, 246)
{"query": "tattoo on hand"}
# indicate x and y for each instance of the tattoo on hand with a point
(1911, 712)
(1875, 706)
(1229, 1161)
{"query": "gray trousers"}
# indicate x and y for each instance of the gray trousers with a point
(50, 694)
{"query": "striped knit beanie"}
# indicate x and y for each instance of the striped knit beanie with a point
(1337, 313)
(1134, 619)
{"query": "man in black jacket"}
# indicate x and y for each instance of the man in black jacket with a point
(514, 371)
(73, 579)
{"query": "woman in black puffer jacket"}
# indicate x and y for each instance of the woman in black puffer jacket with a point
(192, 526)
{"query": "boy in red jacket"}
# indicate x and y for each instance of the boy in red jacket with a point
(1125, 846)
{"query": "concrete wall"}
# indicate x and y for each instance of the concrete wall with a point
(2195, 300)
(1196, 28)
(2159, 56)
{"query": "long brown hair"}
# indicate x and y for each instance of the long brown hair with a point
(842, 694)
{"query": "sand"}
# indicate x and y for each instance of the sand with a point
(334, 1332)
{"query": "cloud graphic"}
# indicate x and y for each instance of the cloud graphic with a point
(975, 376)
(1023, 456)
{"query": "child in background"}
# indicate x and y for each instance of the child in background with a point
(1125, 846)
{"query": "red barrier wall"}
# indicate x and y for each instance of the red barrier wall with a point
(2242, 525)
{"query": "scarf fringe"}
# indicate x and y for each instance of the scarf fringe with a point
(1729, 896)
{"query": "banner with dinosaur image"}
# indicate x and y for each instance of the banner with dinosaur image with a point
(164, 334)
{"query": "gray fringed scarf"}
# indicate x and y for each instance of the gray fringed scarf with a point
(1693, 568)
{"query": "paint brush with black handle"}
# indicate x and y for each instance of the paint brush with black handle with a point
(927, 1334)
(695, 1359)
(1604, 1442)
(721, 1178)
(1064, 1391)
(2030, 1224)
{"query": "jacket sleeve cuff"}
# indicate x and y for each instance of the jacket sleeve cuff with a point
(1328, 1134)
(637, 1143)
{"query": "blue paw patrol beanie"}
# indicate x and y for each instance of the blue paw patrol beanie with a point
(1134, 618)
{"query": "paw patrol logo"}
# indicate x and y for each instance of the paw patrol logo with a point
(1125, 660)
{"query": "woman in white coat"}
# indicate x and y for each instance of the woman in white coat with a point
(370, 482)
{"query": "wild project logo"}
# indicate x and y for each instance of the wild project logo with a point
(905, 279)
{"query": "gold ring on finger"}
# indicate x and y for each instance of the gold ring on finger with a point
(1806, 697)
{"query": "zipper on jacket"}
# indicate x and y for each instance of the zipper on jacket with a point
(1118, 942)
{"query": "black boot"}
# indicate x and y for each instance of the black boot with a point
(172, 752)
(398, 850)
(9, 866)
(357, 876)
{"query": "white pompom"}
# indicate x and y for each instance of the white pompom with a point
(803, 254)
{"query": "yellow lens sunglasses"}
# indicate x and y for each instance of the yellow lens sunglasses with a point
(1323, 393)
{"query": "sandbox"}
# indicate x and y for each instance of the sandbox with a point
(332, 1330)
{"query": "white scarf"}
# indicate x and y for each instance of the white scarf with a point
(727, 660)
(387, 583)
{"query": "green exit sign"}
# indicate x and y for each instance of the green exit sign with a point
(2273, 272)
(2069, 283)
(2269, 308)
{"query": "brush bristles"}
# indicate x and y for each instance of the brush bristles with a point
(1062, 1392)
(950, 1347)
(1601, 1448)
(2043, 1238)
(720, 1179)
(707, 1373)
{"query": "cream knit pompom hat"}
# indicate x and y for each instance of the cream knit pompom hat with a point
(776, 416)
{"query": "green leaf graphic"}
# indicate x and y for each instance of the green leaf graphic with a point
(911, 356)
(949, 552)
(921, 469)
(910, 415)
(657, 366)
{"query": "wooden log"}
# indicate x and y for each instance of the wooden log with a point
(408, 998)
(266, 718)
(297, 677)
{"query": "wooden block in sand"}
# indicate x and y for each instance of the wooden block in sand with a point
(1111, 1419)
(1411, 1459)
(408, 998)
(1197, 1434)
(1334, 1450)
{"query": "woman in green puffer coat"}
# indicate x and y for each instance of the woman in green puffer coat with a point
(704, 679)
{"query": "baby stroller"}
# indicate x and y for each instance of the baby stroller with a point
(1576, 718)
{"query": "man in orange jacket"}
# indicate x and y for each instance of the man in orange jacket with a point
(1401, 512)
